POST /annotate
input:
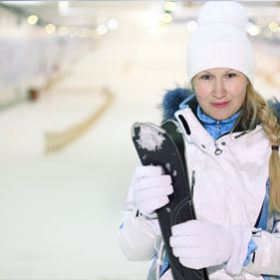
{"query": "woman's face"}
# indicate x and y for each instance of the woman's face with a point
(220, 92)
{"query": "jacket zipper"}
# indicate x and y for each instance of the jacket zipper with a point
(218, 127)
(218, 151)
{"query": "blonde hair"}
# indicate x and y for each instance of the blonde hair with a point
(255, 110)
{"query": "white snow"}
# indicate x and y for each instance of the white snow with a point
(60, 213)
(168, 166)
(150, 139)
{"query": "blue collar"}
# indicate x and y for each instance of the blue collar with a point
(214, 127)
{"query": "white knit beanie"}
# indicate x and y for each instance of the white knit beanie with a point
(220, 40)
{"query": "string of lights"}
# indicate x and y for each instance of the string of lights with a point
(266, 30)
(63, 30)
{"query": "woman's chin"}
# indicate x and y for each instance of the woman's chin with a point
(221, 117)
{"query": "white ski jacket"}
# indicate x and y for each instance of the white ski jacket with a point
(230, 177)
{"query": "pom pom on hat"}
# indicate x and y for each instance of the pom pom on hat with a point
(223, 12)
(220, 40)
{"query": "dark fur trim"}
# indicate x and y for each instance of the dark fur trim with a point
(172, 100)
(274, 105)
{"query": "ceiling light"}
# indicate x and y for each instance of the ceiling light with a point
(113, 24)
(63, 30)
(102, 29)
(166, 18)
(253, 29)
(50, 28)
(32, 19)
(192, 25)
(273, 26)
(170, 6)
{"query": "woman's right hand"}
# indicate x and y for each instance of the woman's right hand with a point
(151, 189)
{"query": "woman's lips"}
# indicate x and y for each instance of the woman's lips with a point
(221, 104)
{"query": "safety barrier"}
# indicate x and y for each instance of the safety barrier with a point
(270, 78)
(57, 140)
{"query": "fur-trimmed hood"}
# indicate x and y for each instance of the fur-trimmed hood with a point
(173, 98)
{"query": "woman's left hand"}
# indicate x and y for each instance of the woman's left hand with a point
(200, 244)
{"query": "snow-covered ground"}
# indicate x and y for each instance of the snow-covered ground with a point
(60, 213)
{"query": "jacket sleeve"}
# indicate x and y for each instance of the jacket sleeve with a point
(138, 236)
(266, 259)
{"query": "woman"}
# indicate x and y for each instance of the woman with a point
(231, 142)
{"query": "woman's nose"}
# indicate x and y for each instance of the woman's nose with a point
(219, 90)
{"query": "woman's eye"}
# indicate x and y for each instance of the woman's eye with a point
(231, 75)
(205, 77)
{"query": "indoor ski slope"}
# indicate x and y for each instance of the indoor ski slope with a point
(60, 211)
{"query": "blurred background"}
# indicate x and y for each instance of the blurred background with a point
(74, 78)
